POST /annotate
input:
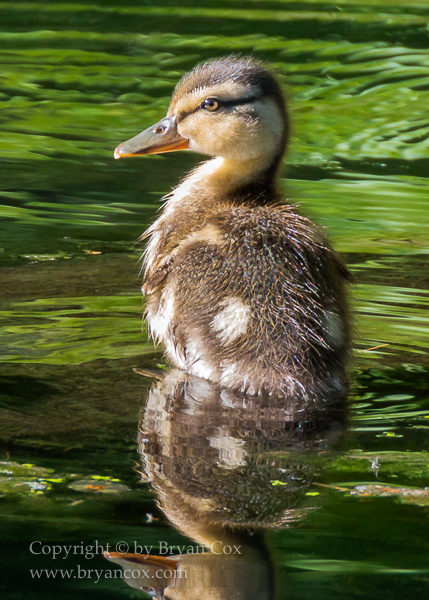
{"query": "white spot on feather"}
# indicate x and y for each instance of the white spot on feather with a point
(229, 374)
(202, 369)
(174, 354)
(232, 321)
(161, 320)
(209, 234)
(195, 363)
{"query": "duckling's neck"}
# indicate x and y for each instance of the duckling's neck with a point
(225, 181)
(228, 176)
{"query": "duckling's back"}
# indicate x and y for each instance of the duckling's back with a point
(255, 300)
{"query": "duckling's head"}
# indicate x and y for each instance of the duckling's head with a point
(231, 107)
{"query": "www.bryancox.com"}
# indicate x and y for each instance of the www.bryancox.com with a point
(97, 574)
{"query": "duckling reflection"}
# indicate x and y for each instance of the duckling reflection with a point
(227, 468)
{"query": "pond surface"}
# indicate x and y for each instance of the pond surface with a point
(332, 504)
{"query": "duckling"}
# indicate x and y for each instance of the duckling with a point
(240, 289)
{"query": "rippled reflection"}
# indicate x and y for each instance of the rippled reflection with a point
(226, 468)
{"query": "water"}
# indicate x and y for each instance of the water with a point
(75, 81)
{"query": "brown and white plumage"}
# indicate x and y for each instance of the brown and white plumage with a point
(240, 289)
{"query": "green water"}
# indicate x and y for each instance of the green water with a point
(76, 80)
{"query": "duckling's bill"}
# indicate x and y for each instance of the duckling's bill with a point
(159, 138)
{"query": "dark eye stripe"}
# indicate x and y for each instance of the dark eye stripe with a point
(223, 103)
(238, 101)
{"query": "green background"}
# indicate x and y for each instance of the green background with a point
(76, 80)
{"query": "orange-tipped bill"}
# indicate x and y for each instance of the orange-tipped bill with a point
(152, 574)
(161, 137)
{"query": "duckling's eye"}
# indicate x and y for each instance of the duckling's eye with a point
(211, 104)
(160, 129)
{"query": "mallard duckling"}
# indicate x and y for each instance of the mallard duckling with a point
(240, 289)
